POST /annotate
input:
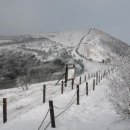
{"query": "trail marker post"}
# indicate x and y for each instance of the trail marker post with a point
(72, 83)
(62, 87)
(69, 73)
(93, 84)
(4, 110)
(86, 88)
(77, 94)
(52, 114)
(44, 93)
(80, 80)
(85, 78)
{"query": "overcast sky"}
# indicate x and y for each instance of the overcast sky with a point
(37, 16)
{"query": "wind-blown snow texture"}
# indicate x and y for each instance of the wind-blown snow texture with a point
(25, 108)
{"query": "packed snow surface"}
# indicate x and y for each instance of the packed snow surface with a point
(95, 112)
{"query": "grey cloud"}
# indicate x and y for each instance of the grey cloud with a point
(32, 16)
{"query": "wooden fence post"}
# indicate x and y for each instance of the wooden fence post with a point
(77, 94)
(44, 93)
(96, 80)
(85, 78)
(52, 114)
(93, 84)
(80, 80)
(88, 76)
(4, 110)
(86, 88)
(99, 78)
(62, 87)
(72, 83)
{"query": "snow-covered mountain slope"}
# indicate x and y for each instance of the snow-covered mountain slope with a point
(66, 38)
(99, 46)
(25, 108)
(91, 44)
(78, 47)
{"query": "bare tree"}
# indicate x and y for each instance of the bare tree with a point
(23, 81)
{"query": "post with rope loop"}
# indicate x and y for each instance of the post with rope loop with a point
(52, 114)
(77, 94)
(44, 93)
(93, 84)
(4, 110)
(62, 87)
(86, 88)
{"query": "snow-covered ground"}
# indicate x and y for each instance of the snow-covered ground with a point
(95, 112)
(26, 110)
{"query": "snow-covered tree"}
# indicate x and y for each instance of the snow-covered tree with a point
(120, 86)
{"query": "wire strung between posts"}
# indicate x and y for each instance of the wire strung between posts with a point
(65, 109)
(62, 111)
(47, 125)
(67, 104)
(83, 90)
(52, 87)
(12, 110)
(83, 94)
(43, 120)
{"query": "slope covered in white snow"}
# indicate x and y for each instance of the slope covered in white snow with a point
(99, 46)
(86, 49)
(95, 112)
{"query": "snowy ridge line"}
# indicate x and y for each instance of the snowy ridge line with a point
(67, 103)
(43, 119)
(81, 42)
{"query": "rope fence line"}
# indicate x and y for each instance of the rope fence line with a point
(20, 98)
(83, 90)
(43, 119)
(22, 108)
(47, 125)
(67, 103)
(65, 109)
